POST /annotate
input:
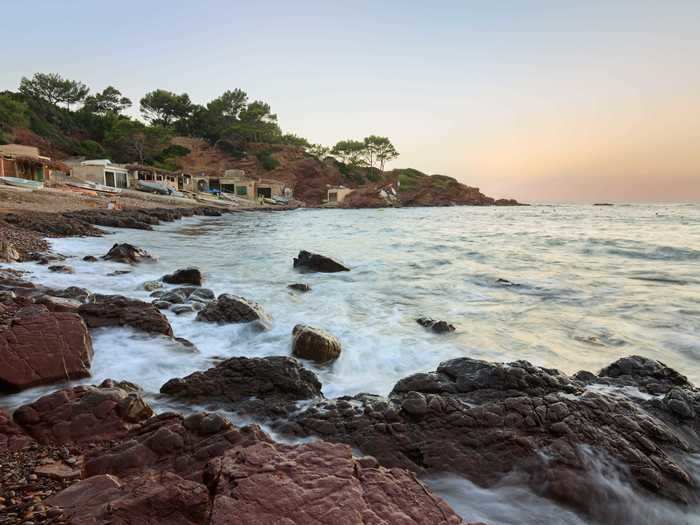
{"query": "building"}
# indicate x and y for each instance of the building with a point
(236, 182)
(337, 194)
(25, 162)
(101, 171)
(139, 172)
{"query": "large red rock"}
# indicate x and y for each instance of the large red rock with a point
(152, 498)
(117, 310)
(320, 483)
(84, 413)
(39, 347)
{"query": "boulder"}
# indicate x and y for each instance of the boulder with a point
(485, 420)
(72, 292)
(84, 413)
(162, 305)
(39, 347)
(439, 327)
(263, 386)
(117, 310)
(8, 253)
(60, 268)
(151, 286)
(315, 262)
(299, 287)
(12, 437)
(317, 483)
(184, 276)
(90, 258)
(314, 344)
(180, 309)
(234, 309)
(127, 253)
(149, 498)
(58, 304)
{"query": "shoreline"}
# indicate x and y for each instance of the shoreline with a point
(409, 428)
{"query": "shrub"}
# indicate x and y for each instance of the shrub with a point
(267, 160)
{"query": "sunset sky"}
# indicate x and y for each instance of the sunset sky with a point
(542, 101)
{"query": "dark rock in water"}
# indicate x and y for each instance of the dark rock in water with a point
(173, 297)
(186, 343)
(39, 347)
(72, 292)
(151, 286)
(118, 272)
(314, 344)
(180, 309)
(505, 282)
(300, 287)
(484, 420)
(84, 413)
(117, 310)
(162, 305)
(90, 258)
(315, 262)
(60, 268)
(269, 385)
(127, 253)
(184, 276)
(234, 309)
(58, 304)
(439, 327)
(202, 295)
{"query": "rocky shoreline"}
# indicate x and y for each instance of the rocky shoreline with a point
(99, 454)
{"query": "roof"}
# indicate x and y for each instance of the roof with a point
(152, 169)
(42, 161)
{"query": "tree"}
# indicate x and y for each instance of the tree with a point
(230, 104)
(349, 151)
(54, 89)
(130, 139)
(12, 113)
(109, 101)
(294, 140)
(318, 150)
(382, 149)
(164, 108)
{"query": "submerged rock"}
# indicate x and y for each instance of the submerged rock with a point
(234, 309)
(84, 413)
(184, 276)
(439, 327)
(90, 258)
(314, 344)
(39, 347)
(300, 287)
(180, 309)
(269, 385)
(315, 262)
(60, 268)
(127, 253)
(117, 310)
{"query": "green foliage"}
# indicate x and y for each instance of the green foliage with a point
(373, 175)
(54, 89)
(233, 149)
(409, 179)
(164, 108)
(130, 140)
(109, 101)
(291, 139)
(175, 150)
(92, 149)
(267, 160)
(349, 151)
(13, 113)
(318, 150)
(367, 152)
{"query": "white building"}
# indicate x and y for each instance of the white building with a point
(102, 171)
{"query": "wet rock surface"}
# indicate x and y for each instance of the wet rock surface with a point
(84, 413)
(314, 262)
(268, 386)
(39, 347)
(190, 276)
(299, 287)
(117, 310)
(484, 420)
(439, 327)
(228, 308)
(314, 344)
(127, 253)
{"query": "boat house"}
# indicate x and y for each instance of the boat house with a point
(25, 162)
(102, 171)
(337, 194)
(236, 182)
(139, 172)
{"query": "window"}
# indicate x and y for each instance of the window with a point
(109, 179)
(241, 190)
(120, 180)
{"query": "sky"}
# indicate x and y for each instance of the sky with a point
(544, 101)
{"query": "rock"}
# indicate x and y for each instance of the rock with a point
(234, 309)
(72, 292)
(90, 258)
(314, 344)
(148, 498)
(116, 310)
(84, 413)
(202, 295)
(173, 297)
(58, 304)
(315, 262)
(186, 343)
(150, 286)
(116, 273)
(439, 327)
(12, 437)
(184, 276)
(58, 470)
(484, 420)
(180, 309)
(268, 386)
(127, 253)
(59, 268)
(162, 305)
(300, 287)
(316, 483)
(40, 347)
(8, 253)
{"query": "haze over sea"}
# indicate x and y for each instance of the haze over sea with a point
(566, 286)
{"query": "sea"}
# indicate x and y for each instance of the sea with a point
(572, 287)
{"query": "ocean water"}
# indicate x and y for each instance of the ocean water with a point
(586, 285)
